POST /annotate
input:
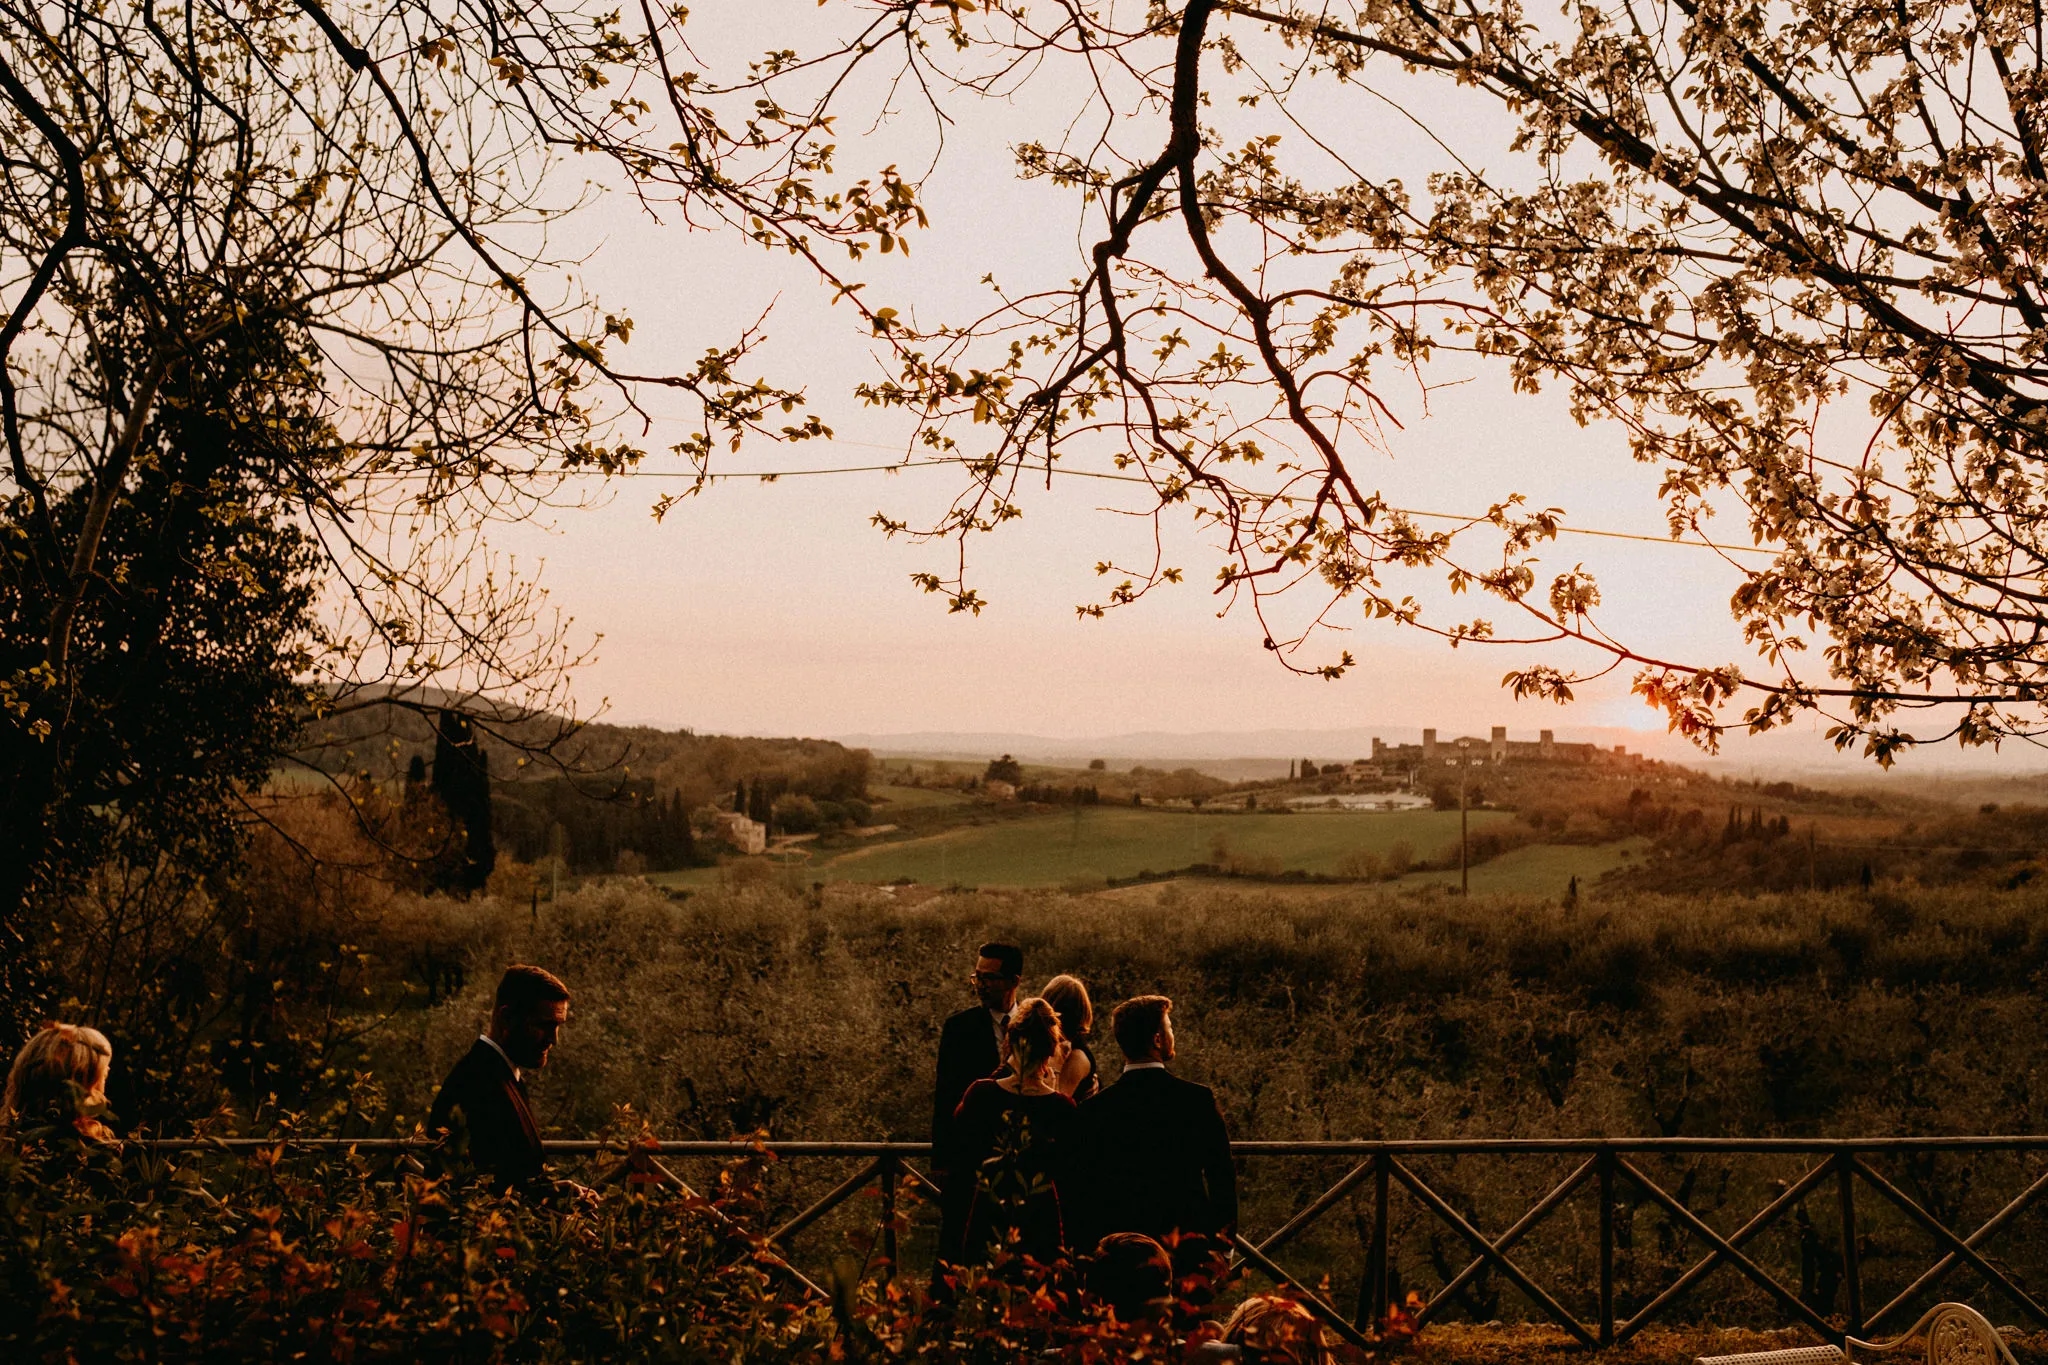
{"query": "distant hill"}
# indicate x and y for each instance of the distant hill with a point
(382, 740)
(1801, 752)
(604, 790)
(1232, 755)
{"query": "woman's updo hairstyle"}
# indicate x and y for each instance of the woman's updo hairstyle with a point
(1034, 1032)
(56, 1066)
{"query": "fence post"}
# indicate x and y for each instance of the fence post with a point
(1852, 1275)
(1372, 1293)
(889, 1178)
(1605, 1171)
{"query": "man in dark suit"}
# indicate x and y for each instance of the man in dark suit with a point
(1151, 1154)
(483, 1102)
(971, 1046)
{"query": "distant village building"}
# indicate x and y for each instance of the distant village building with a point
(1495, 748)
(999, 790)
(746, 836)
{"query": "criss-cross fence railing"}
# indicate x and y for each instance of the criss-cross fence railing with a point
(1407, 1199)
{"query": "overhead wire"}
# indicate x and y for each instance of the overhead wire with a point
(777, 475)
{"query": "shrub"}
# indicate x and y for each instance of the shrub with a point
(1363, 866)
(796, 814)
(1360, 1012)
(286, 1255)
(350, 1259)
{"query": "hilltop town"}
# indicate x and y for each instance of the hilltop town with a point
(1407, 764)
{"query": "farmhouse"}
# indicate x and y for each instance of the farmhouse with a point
(747, 836)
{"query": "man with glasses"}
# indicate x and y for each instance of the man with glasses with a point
(971, 1046)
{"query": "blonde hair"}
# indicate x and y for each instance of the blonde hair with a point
(1280, 1329)
(49, 1065)
(1034, 1031)
(1069, 999)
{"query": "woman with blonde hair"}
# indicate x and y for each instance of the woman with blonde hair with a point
(1279, 1330)
(1006, 1135)
(59, 1080)
(1076, 1076)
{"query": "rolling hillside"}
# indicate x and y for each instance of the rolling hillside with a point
(1095, 842)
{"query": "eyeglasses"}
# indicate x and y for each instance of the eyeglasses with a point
(989, 978)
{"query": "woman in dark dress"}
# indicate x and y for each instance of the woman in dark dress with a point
(1007, 1131)
(1075, 1075)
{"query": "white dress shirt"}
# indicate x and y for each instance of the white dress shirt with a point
(517, 1074)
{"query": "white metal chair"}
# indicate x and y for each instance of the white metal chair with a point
(1956, 1333)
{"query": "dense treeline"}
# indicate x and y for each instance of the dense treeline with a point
(1360, 1015)
(1354, 1012)
(257, 986)
(379, 742)
(590, 826)
(1772, 837)
(1058, 786)
(609, 798)
(1771, 848)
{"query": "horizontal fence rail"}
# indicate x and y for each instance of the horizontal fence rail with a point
(1400, 1203)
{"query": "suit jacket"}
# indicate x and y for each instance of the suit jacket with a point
(1150, 1154)
(967, 1053)
(483, 1102)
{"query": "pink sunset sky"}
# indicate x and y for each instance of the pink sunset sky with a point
(776, 608)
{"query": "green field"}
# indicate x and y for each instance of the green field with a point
(891, 801)
(1540, 869)
(1089, 843)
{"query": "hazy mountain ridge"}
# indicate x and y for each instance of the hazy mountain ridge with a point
(1249, 753)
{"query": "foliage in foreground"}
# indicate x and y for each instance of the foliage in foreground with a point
(105, 1257)
(1317, 1013)
(274, 1259)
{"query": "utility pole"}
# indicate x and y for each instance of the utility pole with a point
(1464, 823)
(558, 853)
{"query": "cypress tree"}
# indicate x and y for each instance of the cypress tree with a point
(462, 779)
(686, 839)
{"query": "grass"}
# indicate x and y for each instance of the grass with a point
(1091, 843)
(891, 801)
(1540, 869)
(1095, 843)
(688, 878)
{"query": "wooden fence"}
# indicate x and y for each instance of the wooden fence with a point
(1386, 1182)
